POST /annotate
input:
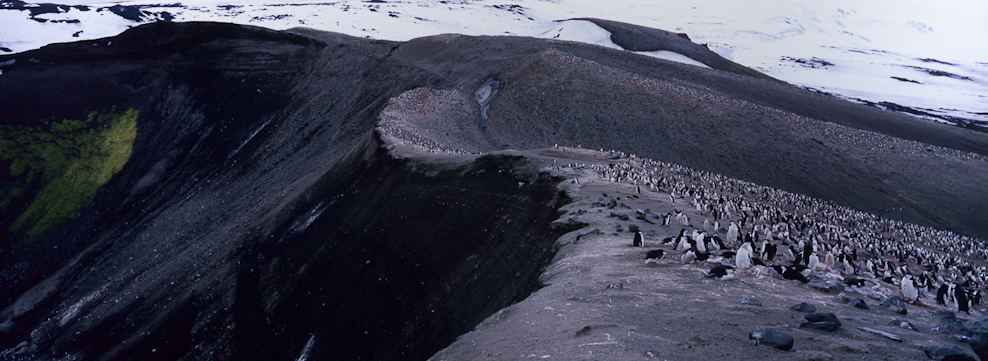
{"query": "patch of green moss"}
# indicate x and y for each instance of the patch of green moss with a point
(62, 164)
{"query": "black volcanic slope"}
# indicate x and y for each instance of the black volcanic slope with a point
(261, 208)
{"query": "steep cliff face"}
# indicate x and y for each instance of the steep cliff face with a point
(269, 210)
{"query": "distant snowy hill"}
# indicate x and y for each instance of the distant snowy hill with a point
(920, 57)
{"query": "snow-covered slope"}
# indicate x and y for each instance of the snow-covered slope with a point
(922, 57)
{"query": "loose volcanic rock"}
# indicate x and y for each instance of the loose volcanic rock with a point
(978, 338)
(895, 304)
(822, 321)
(803, 307)
(904, 324)
(828, 285)
(773, 338)
(941, 353)
(890, 336)
(858, 302)
(750, 301)
(951, 326)
(944, 314)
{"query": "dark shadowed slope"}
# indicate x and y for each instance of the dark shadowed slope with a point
(262, 210)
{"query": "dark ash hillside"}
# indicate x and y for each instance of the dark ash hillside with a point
(262, 210)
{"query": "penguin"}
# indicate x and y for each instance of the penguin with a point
(814, 259)
(909, 290)
(942, 294)
(701, 256)
(698, 238)
(655, 254)
(829, 260)
(706, 225)
(743, 258)
(854, 281)
(682, 243)
(721, 272)
(720, 242)
(639, 240)
(770, 251)
(790, 253)
(790, 273)
(732, 232)
(848, 267)
(807, 251)
(688, 257)
(793, 274)
(962, 300)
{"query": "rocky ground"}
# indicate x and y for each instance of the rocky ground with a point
(308, 195)
(602, 301)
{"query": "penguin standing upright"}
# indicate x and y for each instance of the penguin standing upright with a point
(848, 267)
(962, 300)
(909, 290)
(743, 258)
(732, 233)
(639, 240)
(942, 294)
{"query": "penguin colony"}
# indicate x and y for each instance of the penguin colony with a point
(791, 233)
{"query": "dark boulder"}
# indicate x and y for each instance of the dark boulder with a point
(773, 338)
(803, 307)
(941, 353)
(821, 321)
(895, 304)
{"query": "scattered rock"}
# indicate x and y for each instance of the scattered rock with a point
(827, 285)
(891, 336)
(621, 216)
(858, 302)
(750, 301)
(895, 304)
(951, 326)
(940, 353)
(944, 314)
(586, 329)
(904, 324)
(978, 338)
(870, 293)
(773, 338)
(619, 229)
(633, 228)
(821, 321)
(803, 307)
